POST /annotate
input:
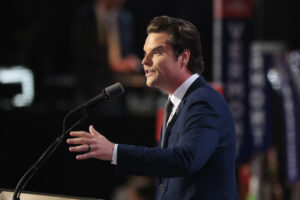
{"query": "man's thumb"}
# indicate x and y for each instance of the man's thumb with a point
(92, 130)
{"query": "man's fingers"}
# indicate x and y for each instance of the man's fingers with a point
(80, 134)
(85, 156)
(83, 139)
(79, 148)
(79, 141)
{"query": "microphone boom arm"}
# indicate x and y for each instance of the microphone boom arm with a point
(37, 165)
(108, 93)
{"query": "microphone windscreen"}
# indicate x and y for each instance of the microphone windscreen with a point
(114, 90)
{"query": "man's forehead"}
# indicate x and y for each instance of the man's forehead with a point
(155, 40)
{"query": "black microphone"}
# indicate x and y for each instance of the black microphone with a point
(109, 93)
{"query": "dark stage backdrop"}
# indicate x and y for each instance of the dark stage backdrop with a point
(36, 34)
(26, 135)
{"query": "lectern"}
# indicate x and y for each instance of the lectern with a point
(7, 195)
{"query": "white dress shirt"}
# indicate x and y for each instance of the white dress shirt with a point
(175, 98)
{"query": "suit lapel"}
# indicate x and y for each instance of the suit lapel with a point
(171, 123)
(196, 84)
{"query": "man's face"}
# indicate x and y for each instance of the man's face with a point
(160, 64)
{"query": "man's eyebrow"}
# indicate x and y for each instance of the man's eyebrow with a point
(156, 48)
(160, 47)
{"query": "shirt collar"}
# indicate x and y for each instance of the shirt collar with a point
(179, 93)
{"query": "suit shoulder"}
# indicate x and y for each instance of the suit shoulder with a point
(206, 93)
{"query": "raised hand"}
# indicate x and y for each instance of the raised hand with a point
(93, 145)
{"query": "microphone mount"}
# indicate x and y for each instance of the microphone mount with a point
(107, 94)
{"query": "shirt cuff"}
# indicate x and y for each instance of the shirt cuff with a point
(114, 156)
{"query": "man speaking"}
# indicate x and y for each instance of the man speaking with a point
(196, 155)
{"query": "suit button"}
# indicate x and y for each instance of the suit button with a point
(161, 186)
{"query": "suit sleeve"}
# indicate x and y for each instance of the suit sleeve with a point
(196, 145)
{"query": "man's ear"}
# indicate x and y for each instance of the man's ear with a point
(184, 58)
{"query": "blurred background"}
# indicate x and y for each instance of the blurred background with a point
(54, 55)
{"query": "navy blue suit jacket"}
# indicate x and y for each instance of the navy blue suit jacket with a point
(197, 160)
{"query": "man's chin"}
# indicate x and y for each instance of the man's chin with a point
(149, 84)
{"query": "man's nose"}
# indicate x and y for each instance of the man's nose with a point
(147, 60)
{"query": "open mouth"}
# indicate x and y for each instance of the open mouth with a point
(148, 72)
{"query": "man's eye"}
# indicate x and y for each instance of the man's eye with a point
(157, 52)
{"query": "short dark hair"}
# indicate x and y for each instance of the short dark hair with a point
(183, 35)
